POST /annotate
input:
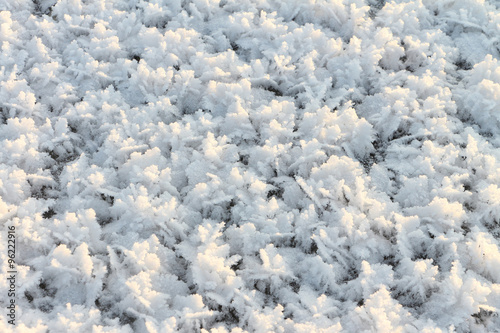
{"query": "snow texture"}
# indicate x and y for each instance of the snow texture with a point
(251, 165)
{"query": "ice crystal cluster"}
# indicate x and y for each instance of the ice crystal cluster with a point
(251, 165)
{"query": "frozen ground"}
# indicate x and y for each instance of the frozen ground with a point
(251, 165)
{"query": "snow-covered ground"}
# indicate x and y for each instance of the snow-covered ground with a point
(251, 165)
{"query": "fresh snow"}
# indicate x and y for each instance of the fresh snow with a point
(251, 165)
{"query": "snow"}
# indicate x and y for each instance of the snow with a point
(251, 166)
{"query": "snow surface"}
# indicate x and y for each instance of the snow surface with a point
(251, 165)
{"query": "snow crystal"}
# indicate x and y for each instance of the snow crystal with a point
(251, 166)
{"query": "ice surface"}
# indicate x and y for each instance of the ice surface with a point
(251, 166)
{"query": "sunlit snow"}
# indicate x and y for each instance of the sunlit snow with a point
(251, 165)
